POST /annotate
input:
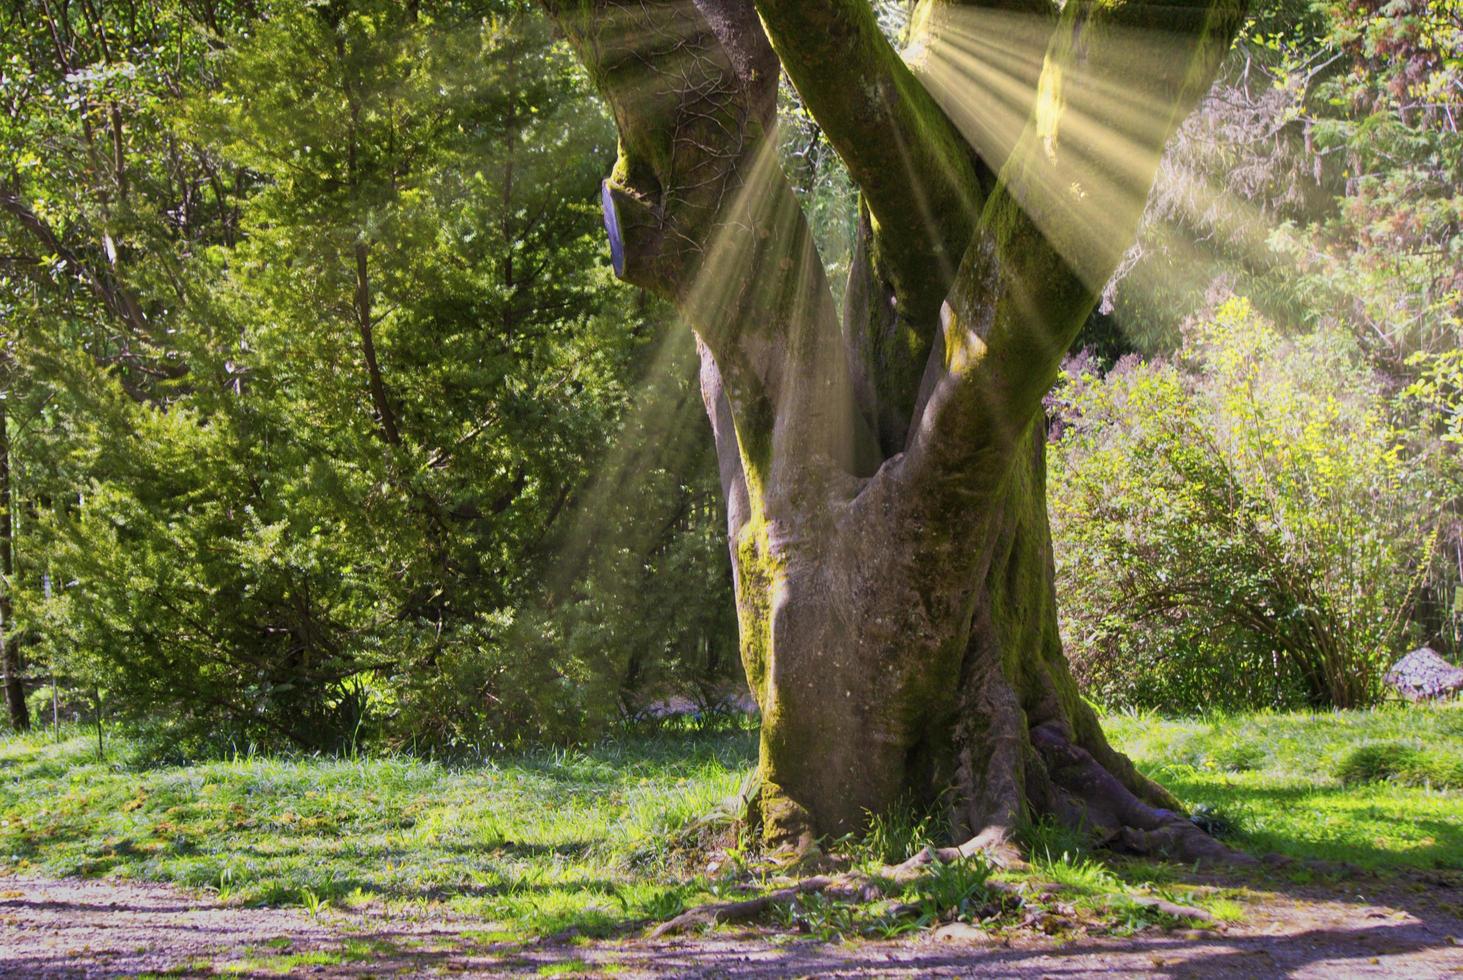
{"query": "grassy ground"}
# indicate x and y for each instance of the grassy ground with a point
(539, 843)
(1380, 789)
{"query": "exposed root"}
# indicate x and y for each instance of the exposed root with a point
(995, 847)
(1170, 908)
(893, 879)
(848, 886)
(1090, 796)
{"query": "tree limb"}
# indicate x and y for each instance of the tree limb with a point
(112, 294)
(1068, 202)
(698, 210)
(919, 178)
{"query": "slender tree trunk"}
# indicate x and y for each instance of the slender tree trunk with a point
(9, 646)
(366, 328)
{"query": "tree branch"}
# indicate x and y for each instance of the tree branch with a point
(1068, 202)
(698, 210)
(365, 327)
(919, 178)
(112, 294)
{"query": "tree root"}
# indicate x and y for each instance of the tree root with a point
(847, 886)
(869, 888)
(1169, 908)
(1086, 794)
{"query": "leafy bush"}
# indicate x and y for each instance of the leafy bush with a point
(1236, 527)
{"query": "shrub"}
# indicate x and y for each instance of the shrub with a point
(1235, 528)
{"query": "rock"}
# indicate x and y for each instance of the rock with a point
(1422, 675)
(961, 932)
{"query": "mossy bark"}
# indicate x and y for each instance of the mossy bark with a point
(884, 477)
(897, 668)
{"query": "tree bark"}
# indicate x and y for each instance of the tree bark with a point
(884, 478)
(9, 645)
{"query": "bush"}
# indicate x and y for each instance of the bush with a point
(1235, 528)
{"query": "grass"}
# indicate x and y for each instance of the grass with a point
(1379, 789)
(541, 842)
(589, 840)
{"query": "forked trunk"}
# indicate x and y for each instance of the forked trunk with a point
(884, 477)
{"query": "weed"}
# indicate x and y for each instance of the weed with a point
(1214, 820)
(893, 837)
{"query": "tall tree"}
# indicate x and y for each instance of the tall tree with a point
(9, 646)
(883, 475)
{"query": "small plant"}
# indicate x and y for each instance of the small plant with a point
(314, 903)
(894, 837)
(1215, 820)
(1046, 838)
(952, 890)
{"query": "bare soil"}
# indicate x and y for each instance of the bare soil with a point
(1365, 927)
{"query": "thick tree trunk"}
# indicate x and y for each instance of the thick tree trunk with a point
(885, 481)
(897, 669)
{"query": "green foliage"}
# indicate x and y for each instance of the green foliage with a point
(953, 889)
(895, 836)
(299, 457)
(1238, 527)
(1320, 181)
(1215, 821)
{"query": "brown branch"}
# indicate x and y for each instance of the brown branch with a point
(919, 178)
(112, 294)
(375, 383)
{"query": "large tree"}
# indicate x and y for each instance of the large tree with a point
(883, 468)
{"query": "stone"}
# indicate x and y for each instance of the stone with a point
(961, 932)
(1423, 675)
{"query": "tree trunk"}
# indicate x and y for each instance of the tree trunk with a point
(895, 668)
(884, 479)
(9, 646)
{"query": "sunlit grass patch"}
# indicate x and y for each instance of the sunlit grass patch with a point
(1402, 763)
(543, 843)
(1315, 785)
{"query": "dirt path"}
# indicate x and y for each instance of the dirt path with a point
(68, 928)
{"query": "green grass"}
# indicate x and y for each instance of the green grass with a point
(589, 840)
(1378, 789)
(541, 842)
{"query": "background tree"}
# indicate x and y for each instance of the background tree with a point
(889, 535)
(309, 494)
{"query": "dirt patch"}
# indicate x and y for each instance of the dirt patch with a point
(68, 928)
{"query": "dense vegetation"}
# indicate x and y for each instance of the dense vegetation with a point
(312, 367)
(1254, 466)
(324, 420)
